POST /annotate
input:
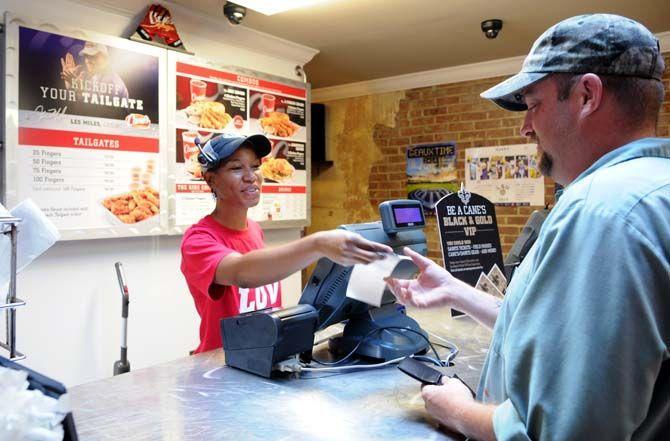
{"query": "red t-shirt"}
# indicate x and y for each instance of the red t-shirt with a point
(202, 248)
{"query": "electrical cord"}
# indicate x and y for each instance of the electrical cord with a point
(369, 334)
(429, 359)
(304, 367)
(354, 366)
(453, 348)
(440, 363)
(449, 344)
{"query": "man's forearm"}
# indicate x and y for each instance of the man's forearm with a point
(477, 304)
(476, 421)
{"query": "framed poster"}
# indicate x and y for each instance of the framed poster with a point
(506, 175)
(205, 100)
(431, 173)
(83, 131)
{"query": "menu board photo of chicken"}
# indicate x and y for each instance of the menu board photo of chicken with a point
(279, 116)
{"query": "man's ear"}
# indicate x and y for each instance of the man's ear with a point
(590, 90)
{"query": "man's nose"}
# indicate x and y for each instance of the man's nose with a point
(527, 127)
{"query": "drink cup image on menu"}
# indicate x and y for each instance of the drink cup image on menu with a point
(198, 90)
(208, 104)
(187, 153)
(188, 144)
(146, 179)
(151, 166)
(268, 104)
(135, 177)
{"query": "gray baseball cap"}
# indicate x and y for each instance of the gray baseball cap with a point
(603, 44)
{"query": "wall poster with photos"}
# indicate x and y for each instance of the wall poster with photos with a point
(505, 175)
(83, 130)
(205, 100)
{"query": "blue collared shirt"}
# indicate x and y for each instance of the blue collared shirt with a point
(581, 346)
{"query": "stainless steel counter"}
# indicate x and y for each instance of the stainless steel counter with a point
(197, 398)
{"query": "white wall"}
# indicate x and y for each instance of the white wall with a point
(70, 328)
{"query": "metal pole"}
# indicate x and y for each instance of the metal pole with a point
(11, 297)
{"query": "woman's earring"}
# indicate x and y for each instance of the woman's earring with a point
(213, 195)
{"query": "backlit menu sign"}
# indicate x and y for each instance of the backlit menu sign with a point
(88, 134)
(209, 101)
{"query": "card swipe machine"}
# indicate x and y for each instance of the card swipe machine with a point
(257, 340)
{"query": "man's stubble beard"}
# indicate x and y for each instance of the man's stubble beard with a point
(546, 164)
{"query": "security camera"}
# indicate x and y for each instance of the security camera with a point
(490, 28)
(234, 13)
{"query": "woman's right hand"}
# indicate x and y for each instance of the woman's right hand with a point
(434, 287)
(347, 248)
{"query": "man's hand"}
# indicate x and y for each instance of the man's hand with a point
(70, 70)
(446, 402)
(453, 406)
(347, 248)
(434, 287)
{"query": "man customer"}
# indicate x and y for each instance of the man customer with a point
(581, 343)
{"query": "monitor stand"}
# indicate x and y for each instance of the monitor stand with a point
(385, 344)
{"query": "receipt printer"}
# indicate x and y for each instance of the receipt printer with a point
(256, 341)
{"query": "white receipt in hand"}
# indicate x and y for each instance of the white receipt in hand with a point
(366, 283)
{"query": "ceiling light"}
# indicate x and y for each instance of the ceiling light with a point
(270, 7)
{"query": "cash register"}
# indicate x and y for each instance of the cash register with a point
(259, 341)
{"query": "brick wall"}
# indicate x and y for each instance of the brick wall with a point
(368, 149)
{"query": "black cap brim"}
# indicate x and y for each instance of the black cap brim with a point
(260, 144)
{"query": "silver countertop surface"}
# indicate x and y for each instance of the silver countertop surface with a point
(198, 398)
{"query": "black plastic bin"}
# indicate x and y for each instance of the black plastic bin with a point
(48, 387)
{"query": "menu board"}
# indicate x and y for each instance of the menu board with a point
(83, 115)
(100, 133)
(205, 101)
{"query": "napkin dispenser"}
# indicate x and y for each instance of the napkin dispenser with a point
(256, 341)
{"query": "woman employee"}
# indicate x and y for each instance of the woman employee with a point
(227, 268)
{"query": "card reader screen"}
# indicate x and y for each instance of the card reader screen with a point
(406, 216)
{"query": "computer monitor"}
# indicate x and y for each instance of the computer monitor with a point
(383, 333)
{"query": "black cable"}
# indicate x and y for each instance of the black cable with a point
(429, 359)
(366, 336)
(453, 351)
